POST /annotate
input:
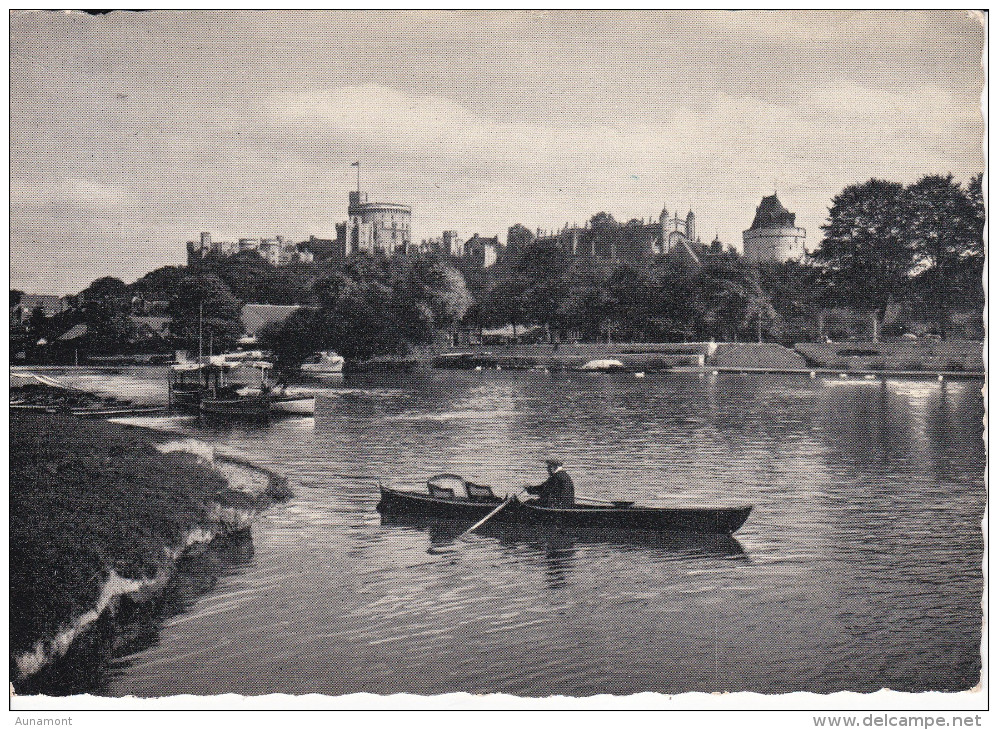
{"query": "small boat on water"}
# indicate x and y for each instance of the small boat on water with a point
(237, 407)
(189, 382)
(450, 497)
(602, 366)
(255, 405)
(323, 365)
(282, 399)
(226, 389)
(301, 404)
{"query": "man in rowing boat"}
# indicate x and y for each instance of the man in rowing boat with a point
(557, 490)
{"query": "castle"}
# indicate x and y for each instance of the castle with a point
(277, 251)
(603, 237)
(480, 250)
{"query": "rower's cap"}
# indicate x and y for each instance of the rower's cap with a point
(554, 462)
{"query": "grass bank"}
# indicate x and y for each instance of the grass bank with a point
(100, 511)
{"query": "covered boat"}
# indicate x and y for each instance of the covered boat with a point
(451, 498)
(189, 382)
(602, 366)
(297, 403)
(323, 365)
(253, 403)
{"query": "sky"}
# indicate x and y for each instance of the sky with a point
(133, 132)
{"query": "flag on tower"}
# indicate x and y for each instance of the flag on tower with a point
(355, 164)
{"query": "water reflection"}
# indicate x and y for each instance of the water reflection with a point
(95, 660)
(865, 544)
(558, 544)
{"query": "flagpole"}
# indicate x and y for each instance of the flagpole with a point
(358, 176)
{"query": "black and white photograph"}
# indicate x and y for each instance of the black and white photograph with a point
(499, 359)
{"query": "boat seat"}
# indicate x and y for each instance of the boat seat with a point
(441, 492)
(479, 492)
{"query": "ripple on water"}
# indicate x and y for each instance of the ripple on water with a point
(859, 566)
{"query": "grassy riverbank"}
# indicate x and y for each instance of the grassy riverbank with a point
(94, 505)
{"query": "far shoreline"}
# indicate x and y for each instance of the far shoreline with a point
(951, 359)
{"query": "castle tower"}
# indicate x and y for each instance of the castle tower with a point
(663, 222)
(774, 235)
(375, 227)
(452, 244)
(691, 226)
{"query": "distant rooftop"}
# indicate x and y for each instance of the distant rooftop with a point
(772, 214)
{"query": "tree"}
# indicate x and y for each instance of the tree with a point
(792, 289)
(204, 314)
(676, 306)
(942, 225)
(505, 303)
(970, 269)
(304, 332)
(518, 237)
(246, 274)
(363, 322)
(106, 307)
(15, 297)
(734, 302)
(160, 284)
(431, 295)
(865, 256)
(587, 306)
(372, 307)
(37, 321)
(631, 290)
(103, 298)
(537, 281)
(603, 222)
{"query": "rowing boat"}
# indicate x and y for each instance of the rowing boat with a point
(444, 503)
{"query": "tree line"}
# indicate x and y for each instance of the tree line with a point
(914, 251)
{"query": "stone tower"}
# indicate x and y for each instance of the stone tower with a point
(663, 222)
(774, 235)
(691, 227)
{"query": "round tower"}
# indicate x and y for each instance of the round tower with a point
(691, 226)
(774, 235)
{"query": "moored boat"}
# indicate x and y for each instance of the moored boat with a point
(294, 403)
(189, 382)
(236, 407)
(323, 365)
(256, 404)
(445, 502)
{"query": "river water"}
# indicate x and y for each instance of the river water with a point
(859, 568)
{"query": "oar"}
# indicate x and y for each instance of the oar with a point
(493, 513)
(616, 503)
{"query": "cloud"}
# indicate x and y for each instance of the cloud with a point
(246, 123)
(76, 193)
